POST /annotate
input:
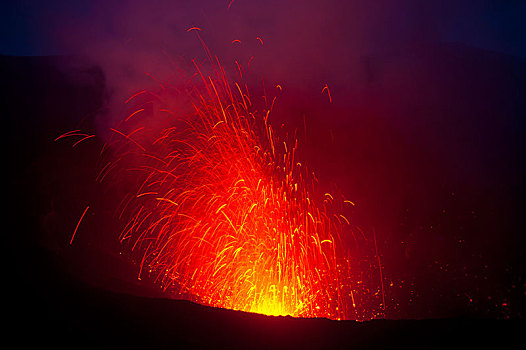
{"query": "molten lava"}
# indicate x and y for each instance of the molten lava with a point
(219, 209)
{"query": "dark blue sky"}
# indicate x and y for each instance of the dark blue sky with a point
(29, 27)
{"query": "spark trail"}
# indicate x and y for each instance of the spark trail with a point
(220, 210)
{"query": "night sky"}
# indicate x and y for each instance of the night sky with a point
(424, 133)
(30, 27)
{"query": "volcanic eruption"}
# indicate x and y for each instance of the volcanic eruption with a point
(218, 208)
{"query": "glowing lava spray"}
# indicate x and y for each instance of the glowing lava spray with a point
(220, 211)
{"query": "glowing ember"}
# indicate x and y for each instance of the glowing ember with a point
(220, 210)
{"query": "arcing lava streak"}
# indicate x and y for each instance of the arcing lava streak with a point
(221, 211)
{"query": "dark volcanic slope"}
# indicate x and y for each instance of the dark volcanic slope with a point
(86, 293)
(62, 312)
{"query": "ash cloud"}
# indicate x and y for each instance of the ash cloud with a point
(306, 43)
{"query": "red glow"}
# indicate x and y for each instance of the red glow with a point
(78, 224)
(221, 210)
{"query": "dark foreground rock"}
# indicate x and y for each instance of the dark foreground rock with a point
(62, 311)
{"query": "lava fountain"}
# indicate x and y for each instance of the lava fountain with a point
(219, 210)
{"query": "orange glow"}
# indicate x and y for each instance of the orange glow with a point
(222, 212)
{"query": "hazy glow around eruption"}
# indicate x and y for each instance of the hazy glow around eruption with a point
(219, 210)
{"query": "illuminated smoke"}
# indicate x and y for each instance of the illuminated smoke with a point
(219, 209)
